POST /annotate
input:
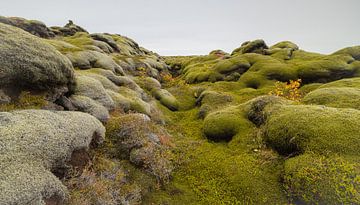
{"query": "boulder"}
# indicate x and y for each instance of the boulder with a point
(256, 46)
(93, 89)
(69, 29)
(166, 98)
(107, 39)
(90, 106)
(93, 59)
(34, 27)
(141, 142)
(36, 142)
(28, 62)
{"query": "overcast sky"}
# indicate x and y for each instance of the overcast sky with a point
(183, 27)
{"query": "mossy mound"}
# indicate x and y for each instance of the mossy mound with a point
(349, 82)
(314, 179)
(256, 46)
(143, 143)
(255, 65)
(36, 142)
(27, 61)
(224, 124)
(211, 100)
(352, 51)
(34, 27)
(298, 128)
(335, 97)
(166, 98)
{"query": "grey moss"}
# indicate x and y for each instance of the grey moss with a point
(35, 142)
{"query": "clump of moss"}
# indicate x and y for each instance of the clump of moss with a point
(298, 128)
(335, 97)
(166, 98)
(224, 124)
(135, 138)
(26, 100)
(314, 179)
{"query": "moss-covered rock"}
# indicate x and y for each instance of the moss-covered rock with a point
(299, 128)
(93, 59)
(120, 101)
(352, 51)
(314, 179)
(34, 27)
(166, 98)
(224, 124)
(256, 46)
(335, 97)
(34, 143)
(27, 61)
(90, 106)
(93, 89)
(69, 29)
(107, 39)
(137, 139)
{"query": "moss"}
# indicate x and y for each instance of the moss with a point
(314, 179)
(211, 100)
(350, 82)
(214, 173)
(166, 98)
(334, 97)
(80, 40)
(285, 44)
(26, 100)
(326, 69)
(27, 61)
(352, 51)
(224, 124)
(256, 46)
(298, 128)
(309, 87)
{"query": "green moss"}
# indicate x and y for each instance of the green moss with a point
(26, 100)
(335, 97)
(352, 51)
(256, 46)
(314, 179)
(166, 98)
(300, 128)
(309, 87)
(285, 44)
(80, 40)
(224, 124)
(349, 82)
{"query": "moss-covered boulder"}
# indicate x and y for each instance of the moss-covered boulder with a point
(210, 100)
(34, 27)
(94, 59)
(335, 97)
(107, 39)
(352, 51)
(28, 62)
(166, 98)
(90, 106)
(69, 29)
(93, 89)
(35, 143)
(298, 128)
(256, 46)
(137, 139)
(315, 179)
(222, 125)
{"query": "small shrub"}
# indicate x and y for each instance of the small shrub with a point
(289, 90)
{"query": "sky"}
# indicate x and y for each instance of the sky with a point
(193, 27)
